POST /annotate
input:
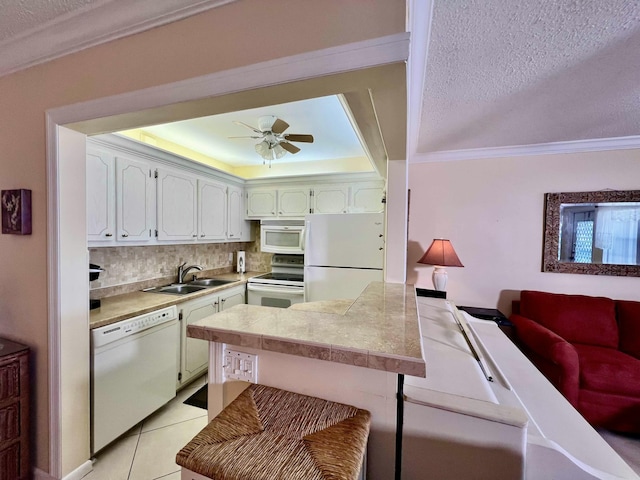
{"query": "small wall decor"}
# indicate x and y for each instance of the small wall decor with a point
(16, 211)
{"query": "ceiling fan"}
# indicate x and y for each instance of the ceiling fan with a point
(275, 143)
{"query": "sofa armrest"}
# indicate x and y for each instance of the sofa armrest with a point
(561, 365)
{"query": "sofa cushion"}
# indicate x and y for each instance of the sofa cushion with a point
(608, 370)
(628, 313)
(576, 318)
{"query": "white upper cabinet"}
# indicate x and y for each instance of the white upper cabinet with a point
(262, 202)
(212, 210)
(286, 201)
(135, 200)
(294, 201)
(236, 222)
(330, 199)
(177, 205)
(101, 212)
(366, 197)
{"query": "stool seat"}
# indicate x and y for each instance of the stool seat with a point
(268, 434)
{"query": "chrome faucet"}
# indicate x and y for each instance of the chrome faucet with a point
(182, 271)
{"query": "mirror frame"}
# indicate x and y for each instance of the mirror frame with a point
(553, 201)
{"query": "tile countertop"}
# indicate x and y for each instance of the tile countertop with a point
(379, 330)
(120, 307)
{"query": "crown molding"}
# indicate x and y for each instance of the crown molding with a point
(577, 146)
(93, 26)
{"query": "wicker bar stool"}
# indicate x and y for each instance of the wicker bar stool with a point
(268, 434)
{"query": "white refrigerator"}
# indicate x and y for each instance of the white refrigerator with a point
(343, 254)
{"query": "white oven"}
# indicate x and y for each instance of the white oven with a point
(282, 236)
(280, 288)
(280, 296)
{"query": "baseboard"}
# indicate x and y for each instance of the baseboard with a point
(80, 472)
(77, 474)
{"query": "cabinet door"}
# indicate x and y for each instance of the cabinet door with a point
(212, 211)
(330, 199)
(261, 203)
(135, 202)
(101, 223)
(177, 205)
(194, 355)
(366, 197)
(293, 202)
(235, 216)
(233, 296)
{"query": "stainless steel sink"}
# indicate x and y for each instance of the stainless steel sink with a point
(179, 289)
(210, 282)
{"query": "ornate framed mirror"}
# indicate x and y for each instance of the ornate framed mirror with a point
(592, 233)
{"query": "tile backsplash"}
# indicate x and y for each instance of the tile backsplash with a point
(130, 268)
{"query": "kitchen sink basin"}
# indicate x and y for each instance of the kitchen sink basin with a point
(210, 282)
(179, 289)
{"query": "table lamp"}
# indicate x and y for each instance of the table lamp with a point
(440, 254)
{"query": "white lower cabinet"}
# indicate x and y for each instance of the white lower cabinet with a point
(194, 353)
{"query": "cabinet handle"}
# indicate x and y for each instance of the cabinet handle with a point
(125, 235)
(194, 235)
(108, 234)
(202, 234)
(273, 213)
(279, 213)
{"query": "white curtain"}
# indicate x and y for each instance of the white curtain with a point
(617, 234)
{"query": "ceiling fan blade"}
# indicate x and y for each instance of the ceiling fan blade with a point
(279, 126)
(294, 137)
(247, 136)
(289, 147)
(248, 126)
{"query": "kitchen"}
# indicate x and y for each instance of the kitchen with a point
(146, 262)
(366, 73)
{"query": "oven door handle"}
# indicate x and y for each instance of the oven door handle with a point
(279, 289)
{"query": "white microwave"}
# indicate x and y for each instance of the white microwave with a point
(282, 236)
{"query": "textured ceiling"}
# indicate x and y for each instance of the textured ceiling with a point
(19, 16)
(503, 73)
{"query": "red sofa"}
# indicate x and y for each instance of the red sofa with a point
(589, 349)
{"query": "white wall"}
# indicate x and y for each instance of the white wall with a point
(492, 211)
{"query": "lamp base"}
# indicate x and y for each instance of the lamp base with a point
(439, 278)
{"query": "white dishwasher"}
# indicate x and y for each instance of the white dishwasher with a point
(133, 372)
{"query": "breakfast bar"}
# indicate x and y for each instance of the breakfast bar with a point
(348, 351)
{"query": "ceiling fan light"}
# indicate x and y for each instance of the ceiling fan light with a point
(279, 151)
(266, 122)
(263, 150)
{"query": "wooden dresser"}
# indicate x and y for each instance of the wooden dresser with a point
(14, 411)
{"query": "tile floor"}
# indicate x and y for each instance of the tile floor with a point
(148, 451)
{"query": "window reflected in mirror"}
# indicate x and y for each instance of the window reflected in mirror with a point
(595, 233)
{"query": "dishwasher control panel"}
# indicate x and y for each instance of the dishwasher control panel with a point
(110, 333)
